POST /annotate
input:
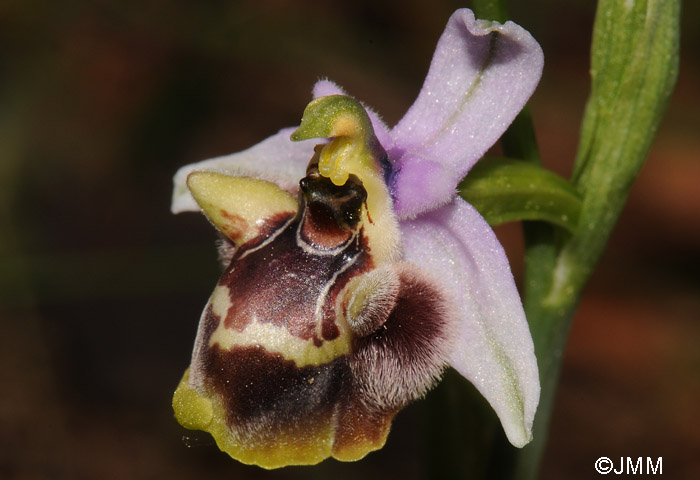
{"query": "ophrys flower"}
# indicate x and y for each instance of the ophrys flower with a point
(354, 274)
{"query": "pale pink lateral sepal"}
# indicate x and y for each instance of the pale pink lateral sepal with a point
(494, 349)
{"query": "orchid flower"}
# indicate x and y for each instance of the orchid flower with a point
(354, 274)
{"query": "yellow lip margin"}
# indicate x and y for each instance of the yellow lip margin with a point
(304, 444)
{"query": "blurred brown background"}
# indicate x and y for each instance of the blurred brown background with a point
(101, 288)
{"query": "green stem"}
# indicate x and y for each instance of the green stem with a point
(634, 66)
(491, 10)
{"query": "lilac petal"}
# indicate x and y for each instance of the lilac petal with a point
(481, 76)
(494, 348)
(276, 159)
(325, 87)
(419, 182)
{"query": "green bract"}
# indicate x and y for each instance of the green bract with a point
(505, 190)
